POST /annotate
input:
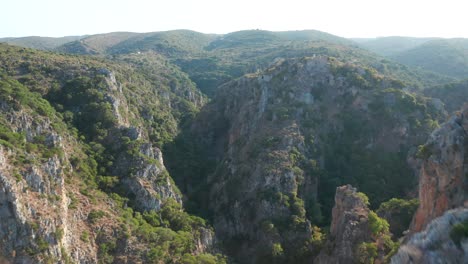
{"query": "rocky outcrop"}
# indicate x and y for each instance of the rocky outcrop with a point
(35, 221)
(443, 198)
(443, 184)
(435, 244)
(351, 229)
(73, 177)
(150, 183)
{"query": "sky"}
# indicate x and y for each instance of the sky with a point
(346, 18)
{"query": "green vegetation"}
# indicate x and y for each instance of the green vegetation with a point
(388, 46)
(444, 56)
(399, 213)
(363, 198)
(379, 170)
(95, 215)
(459, 232)
(211, 60)
(377, 224)
(367, 252)
(137, 90)
(380, 242)
(85, 236)
(453, 95)
(72, 94)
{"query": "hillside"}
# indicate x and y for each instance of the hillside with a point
(80, 170)
(438, 232)
(95, 44)
(211, 60)
(264, 157)
(445, 56)
(389, 46)
(248, 147)
(41, 43)
(453, 95)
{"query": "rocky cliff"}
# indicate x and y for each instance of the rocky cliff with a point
(357, 235)
(43, 215)
(444, 240)
(81, 177)
(438, 231)
(442, 174)
(269, 151)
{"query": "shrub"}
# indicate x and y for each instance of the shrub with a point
(85, 236)
(276, 250)
(459, 232)
(424, 152)
(377, 224)
(367, 252)
(398, 213)
(363, 198)
(95, 215)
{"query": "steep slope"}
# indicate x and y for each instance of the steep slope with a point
(357, 234)
(438, 232)
(442, 174)
(37, 219)
(453, 95)
(445, 56)
(103, 179)
(444, 240)
(264, 158)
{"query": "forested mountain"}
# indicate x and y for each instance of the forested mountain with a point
(184, 147)
(453, 95)
(279, 142)
(79, 136)
(445, 56)
(211, 60)
(389, 46)
(42, 43)
(448, 57)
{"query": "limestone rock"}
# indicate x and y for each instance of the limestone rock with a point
(434, 244)
(442, 181)
(349, 228)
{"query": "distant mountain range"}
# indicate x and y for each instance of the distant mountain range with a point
(444, 58)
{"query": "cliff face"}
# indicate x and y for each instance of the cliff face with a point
(36, 219)
(438, 231)
(81, 177)
(357, 235)
(276, 144)
(442, 181)
(349, 227)
(439, 242)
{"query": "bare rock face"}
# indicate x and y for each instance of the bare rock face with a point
(443, 193)
(36, 224)
(151, 183)
(442, 181)
(357, 234)
(349, 227)
(434, 244)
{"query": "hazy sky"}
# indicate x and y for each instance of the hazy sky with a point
(347, 18)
